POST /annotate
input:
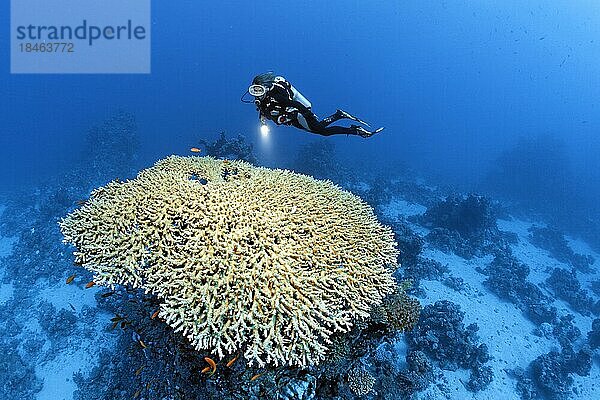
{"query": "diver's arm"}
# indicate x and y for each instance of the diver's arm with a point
(280, 101)
(261, 117)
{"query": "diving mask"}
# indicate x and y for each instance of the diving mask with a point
(257, 90)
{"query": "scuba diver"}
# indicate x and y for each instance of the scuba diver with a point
(277, 100)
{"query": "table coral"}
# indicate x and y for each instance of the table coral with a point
(264, 262)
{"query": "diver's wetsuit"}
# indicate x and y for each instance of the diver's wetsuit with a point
(278, 105)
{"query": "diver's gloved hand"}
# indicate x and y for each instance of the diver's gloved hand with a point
(362, 132)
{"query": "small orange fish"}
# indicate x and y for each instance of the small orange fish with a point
(255, 377)
(90, 284)
(195, 150)
(81, 202)
(139, 370)
(154, 315)
(70, 279)
(230, 362)
(137, 393)
(107, 294)
(142, 344)
(205, 370)
(212, 364)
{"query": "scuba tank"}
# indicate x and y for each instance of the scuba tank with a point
(300, 98)
(297, 95)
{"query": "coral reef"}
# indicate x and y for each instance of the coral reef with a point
(480, 378)
(455, 283)
(17, 366)
(551, 372)
(370, 340)
(166, 366)
(339, 350)
(507, 278)
(465, 226)
(380, 192)
(233, 250)
(442, 335)
(396, 183)
(32, 219)
(418, 362)
(403, 384)
(417, 376)
(565, 331)
(153, 360)
(415, 192)
(565, 285)
(18, 377)
(471, 217)
(360, 381)
(544, 330)
(398, 312)
(426, 268)
(594, 334)
(525, 386)
(169, 367)
(410, 243)
(553, 241)
(298, 388)
(232, 149)
(414, 266)
(449, 241)
(59, 326)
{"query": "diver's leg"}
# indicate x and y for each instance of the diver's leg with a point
(341, 114)
(332, 118)
(336, 130)
(355, 130)
(307, 120)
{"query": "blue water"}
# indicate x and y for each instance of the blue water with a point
(458, 86)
